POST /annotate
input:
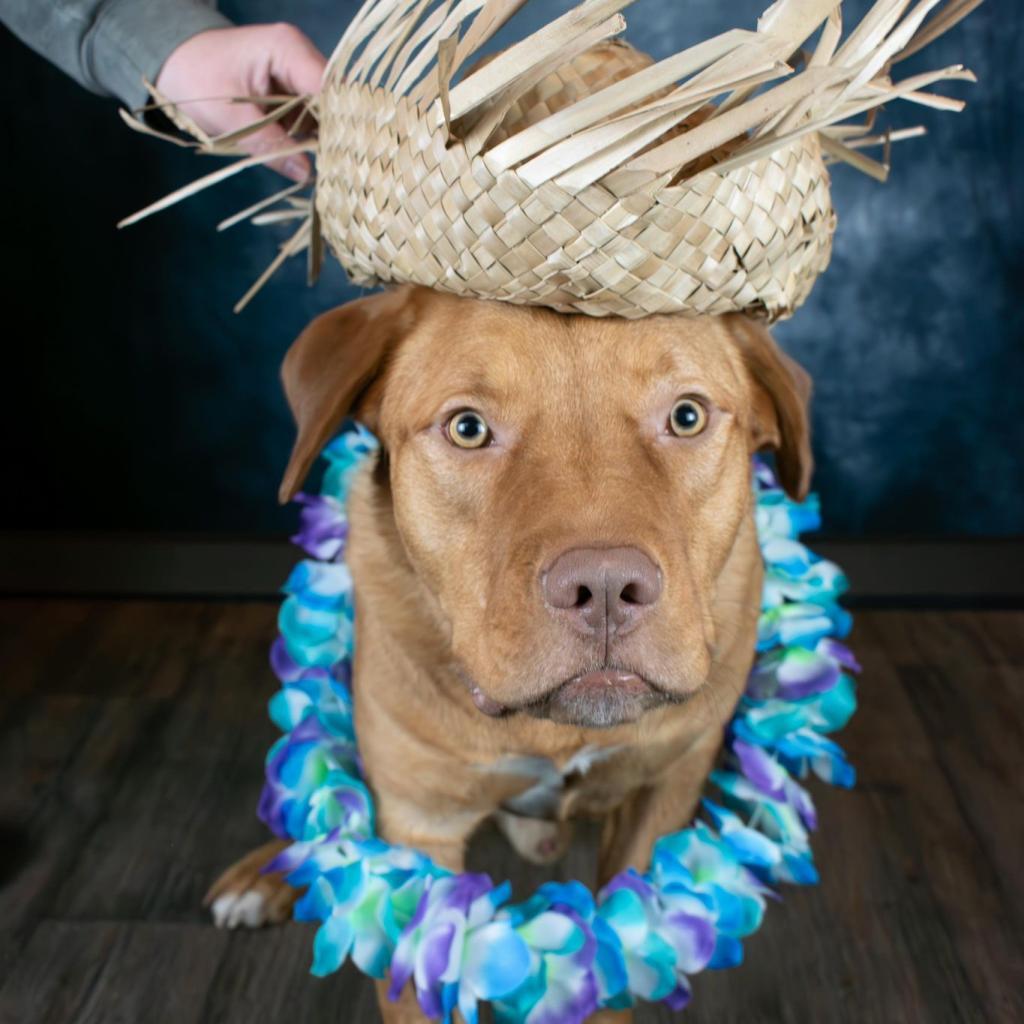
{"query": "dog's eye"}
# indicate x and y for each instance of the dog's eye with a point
(468, 430)
(688, 418)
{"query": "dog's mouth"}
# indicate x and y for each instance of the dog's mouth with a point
(597, 699)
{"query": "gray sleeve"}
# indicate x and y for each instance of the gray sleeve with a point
(109, 46)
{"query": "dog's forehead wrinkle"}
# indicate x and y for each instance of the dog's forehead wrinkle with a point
(485, 355)
(675, 355)
(532, 367)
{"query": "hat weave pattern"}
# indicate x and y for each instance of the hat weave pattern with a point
(397, 204)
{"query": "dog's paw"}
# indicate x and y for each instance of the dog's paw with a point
(535, 840)
(250, 909)
(244, 897)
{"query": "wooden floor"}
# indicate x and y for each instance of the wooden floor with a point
(133, 736)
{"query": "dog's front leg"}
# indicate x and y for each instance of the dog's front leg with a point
(246, 896)
(446, 853)
(630, 831)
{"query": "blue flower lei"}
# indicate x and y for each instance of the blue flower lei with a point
(562, 954)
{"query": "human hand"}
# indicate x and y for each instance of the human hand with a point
(253, 60)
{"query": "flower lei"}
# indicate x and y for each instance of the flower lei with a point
(563, 953)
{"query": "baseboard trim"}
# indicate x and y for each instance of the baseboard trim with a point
(910, 572)
(142, 566)
(881, 571)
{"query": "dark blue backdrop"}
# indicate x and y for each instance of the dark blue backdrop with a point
(136, 400)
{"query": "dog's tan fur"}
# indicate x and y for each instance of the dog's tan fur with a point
(447, 547)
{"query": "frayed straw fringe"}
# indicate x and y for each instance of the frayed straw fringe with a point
(574, 172)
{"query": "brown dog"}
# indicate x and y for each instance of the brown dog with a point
(555, 553)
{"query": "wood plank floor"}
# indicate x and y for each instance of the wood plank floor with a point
(132, 736)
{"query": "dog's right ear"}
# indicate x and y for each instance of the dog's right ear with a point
(329, 367)
(781, 420)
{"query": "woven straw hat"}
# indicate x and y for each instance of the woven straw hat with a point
(572, 171)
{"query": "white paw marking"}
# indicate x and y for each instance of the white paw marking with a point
(248, 909)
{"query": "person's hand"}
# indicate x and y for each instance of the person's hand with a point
(255, 60)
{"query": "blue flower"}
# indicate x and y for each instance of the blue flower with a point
(749, 846)
(575, 964)
(455, 951)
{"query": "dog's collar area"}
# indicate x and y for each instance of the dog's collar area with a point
(563, 953)
(544, 798)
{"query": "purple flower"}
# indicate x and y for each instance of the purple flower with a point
(323, 528)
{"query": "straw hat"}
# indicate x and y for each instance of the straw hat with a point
(572, 171)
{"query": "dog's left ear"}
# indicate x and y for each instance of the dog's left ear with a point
(783, 394)
(330, 368)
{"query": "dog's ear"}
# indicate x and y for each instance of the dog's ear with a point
(330, 367)
(783, 394)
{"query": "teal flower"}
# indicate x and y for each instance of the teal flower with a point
(345, 455)
(315, 637)
(316, 619)
(778, 516)
(793, 573)
(695, 863)
(363, 893)
(664, 936)
(774, 719)
(802, 624)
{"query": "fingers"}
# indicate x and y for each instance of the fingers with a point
(253, 60)
(295, 62)
(296, 66)
(268, 139)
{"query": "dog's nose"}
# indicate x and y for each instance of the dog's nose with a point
(602, 590)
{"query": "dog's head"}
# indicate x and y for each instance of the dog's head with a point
(568, 489)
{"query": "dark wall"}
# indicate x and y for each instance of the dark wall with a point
(137, 400)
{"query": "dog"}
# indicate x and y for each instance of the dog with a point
(555, 562)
